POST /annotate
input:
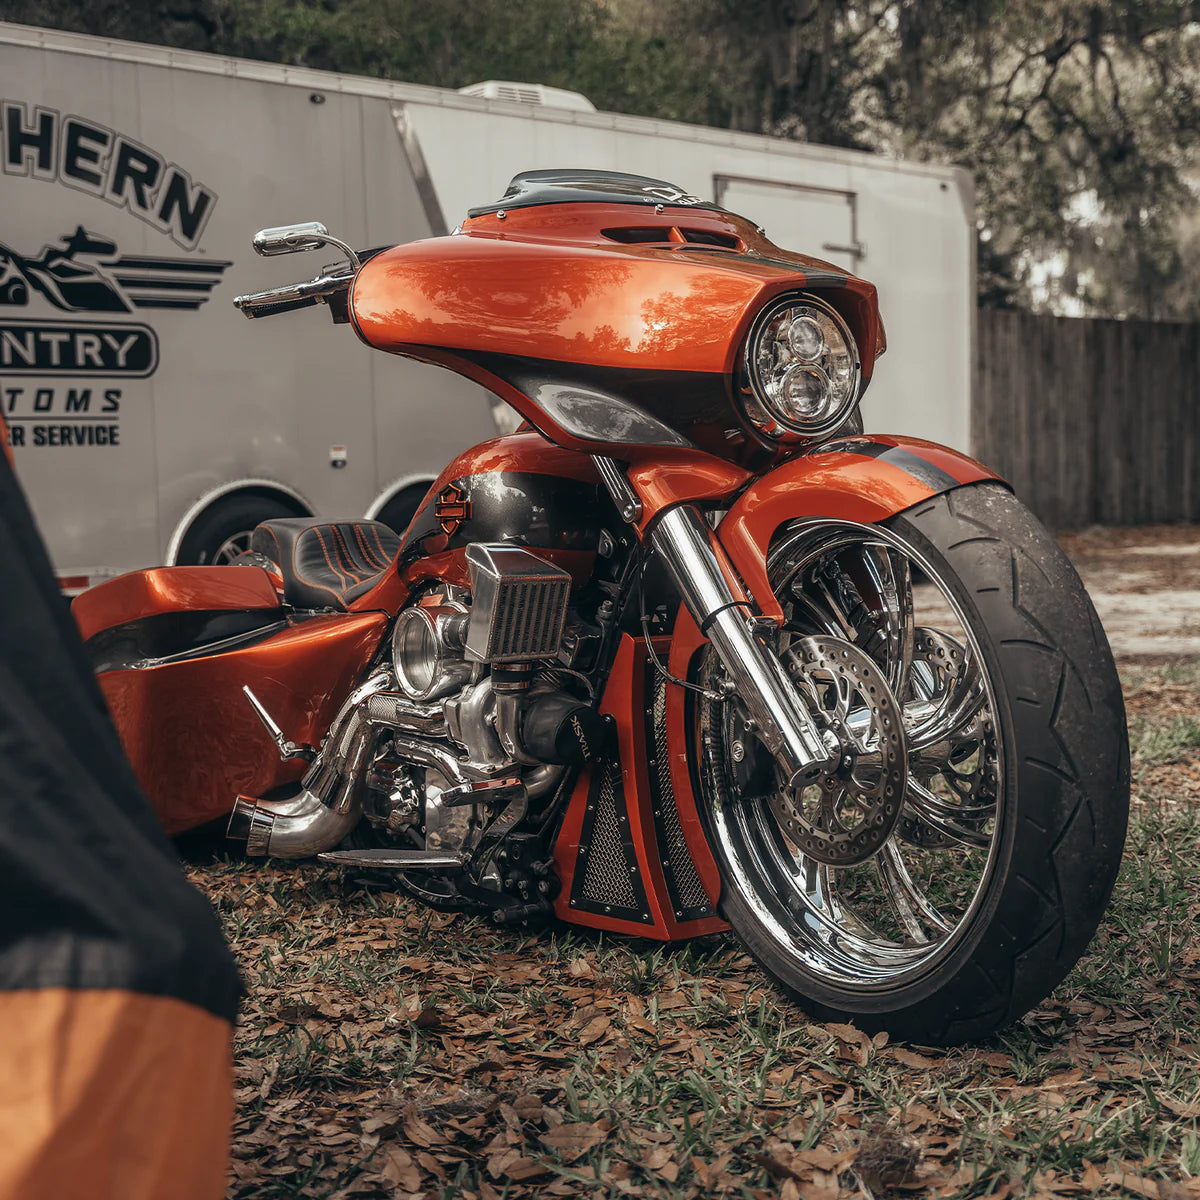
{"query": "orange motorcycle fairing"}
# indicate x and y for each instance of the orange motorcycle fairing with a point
(611, 328)
(142, 594)
(627, 852)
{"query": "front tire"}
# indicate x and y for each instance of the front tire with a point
(1002, 860)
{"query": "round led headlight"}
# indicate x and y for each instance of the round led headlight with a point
(803, 369)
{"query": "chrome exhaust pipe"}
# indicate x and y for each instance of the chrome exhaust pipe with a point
(301, 826)
(307, 823)
(328, 805)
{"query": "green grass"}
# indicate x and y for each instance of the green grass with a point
(1158, 743)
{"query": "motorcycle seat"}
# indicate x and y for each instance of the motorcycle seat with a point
(326, 564)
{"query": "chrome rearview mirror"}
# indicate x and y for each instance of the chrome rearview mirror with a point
(288, 239)
(291, 239)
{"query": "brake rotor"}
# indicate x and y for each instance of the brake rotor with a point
(845, 815)
(968, 760)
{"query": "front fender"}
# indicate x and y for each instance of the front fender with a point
(863, 479)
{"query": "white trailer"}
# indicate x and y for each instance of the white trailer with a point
(152, 423)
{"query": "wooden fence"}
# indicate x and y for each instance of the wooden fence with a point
(1091, 421)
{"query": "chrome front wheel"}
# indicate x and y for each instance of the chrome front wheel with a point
(895, 888)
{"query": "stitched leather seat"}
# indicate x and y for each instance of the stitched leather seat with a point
(326, 564)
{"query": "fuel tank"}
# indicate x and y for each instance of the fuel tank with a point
(517, 488)
(606, 313)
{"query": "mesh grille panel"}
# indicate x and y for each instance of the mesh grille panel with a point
(690, 896)
(606, 877)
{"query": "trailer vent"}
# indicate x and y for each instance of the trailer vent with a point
(529, 93)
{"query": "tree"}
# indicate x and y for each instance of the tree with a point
(1079, 122)
(1080, 129)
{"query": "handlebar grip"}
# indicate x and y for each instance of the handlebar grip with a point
(255, 308)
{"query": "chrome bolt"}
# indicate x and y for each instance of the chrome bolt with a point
(737, 751)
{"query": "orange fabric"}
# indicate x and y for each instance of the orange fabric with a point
(112, 1095)
(4, 444)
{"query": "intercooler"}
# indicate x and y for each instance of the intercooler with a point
(518, 605)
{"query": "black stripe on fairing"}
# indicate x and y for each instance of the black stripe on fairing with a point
(919, 468)
(812, 279)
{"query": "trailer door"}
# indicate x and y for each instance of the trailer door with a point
(817, 221)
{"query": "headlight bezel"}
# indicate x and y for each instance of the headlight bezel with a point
(758, 406)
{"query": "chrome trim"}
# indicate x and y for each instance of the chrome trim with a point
(398, 712)
(320, 287)
(783, 722)
(289, 239)
(435, 652)
(313, 820)
(227, 489)
(762, 415)
(619, 488)
(328, 805)
(393, 860)
(299, 238)
(295, 828)
(440, 758)
(287, 748)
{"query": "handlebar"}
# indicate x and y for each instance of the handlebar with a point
(293, 296)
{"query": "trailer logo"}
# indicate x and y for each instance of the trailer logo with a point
(44, 348)
(90, 158)
(67, 343)
(84, 273)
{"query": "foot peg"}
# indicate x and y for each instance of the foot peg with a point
(287, 749)
(393, 860)
(490, 791)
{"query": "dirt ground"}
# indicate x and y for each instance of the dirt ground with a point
(1146, 587)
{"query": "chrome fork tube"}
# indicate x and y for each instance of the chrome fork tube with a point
(695, 558)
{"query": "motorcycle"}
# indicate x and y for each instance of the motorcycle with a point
(686, 652)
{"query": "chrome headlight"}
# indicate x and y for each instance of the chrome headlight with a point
(803, 369)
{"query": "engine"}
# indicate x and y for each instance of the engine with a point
(488, 668)
(469, 727)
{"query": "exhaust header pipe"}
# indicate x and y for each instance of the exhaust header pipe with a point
(328, 806)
